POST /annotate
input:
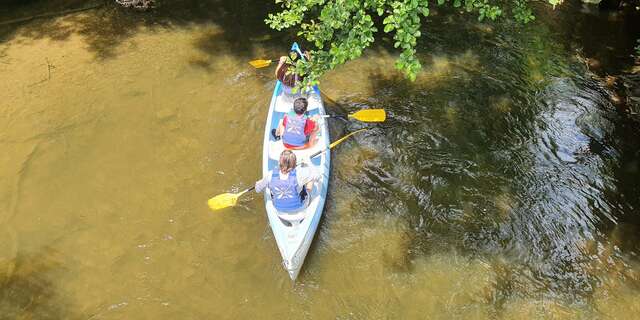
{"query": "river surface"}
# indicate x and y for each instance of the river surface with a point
(504, 184)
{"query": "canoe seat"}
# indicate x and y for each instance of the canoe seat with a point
(314, 102)
(283, 104)
(291, 218)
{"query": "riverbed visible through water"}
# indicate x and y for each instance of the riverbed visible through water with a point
(504, 184)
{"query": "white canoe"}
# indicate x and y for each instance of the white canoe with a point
(294, 236)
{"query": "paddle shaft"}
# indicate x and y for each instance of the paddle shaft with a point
(249, 189)
(237, 195)
(335, 143)
(266, 63)
(246, 190)
(318, 153)
(333, 116)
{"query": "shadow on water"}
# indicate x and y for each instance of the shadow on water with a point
(27, 289)
(241, 24)
(606, 37)
(503, 152)
(623, 140)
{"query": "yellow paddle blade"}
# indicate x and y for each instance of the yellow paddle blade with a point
(370, 115)
(260, 63)
(337, 142)
(224, 200)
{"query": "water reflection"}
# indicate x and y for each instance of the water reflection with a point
(28, 286)
(108, 26)
(516, 174)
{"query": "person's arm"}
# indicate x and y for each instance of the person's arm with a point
(262, 183)
(307, 177)
(309, 186)
(281, 124)
(281, 62)
(309, 127)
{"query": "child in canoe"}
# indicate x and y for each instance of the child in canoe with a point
(289, 185)
(295, 128)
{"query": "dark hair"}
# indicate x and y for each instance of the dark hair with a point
(300, 105)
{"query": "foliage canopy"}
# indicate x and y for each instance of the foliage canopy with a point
(342, 29)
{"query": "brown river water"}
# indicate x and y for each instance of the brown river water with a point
(503, 186)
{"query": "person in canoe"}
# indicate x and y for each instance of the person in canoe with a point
(285, 74)
(295, 128)
(289, 186)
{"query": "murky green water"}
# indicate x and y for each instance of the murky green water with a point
(504, 184)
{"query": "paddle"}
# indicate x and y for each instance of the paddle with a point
(366, 115)
(261, 63)
(335, 143)
(226, 200)
(372, 115)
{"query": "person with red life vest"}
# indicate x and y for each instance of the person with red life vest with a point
(295, 128)
(289, 185)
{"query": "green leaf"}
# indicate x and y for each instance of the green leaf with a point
(341, 30)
